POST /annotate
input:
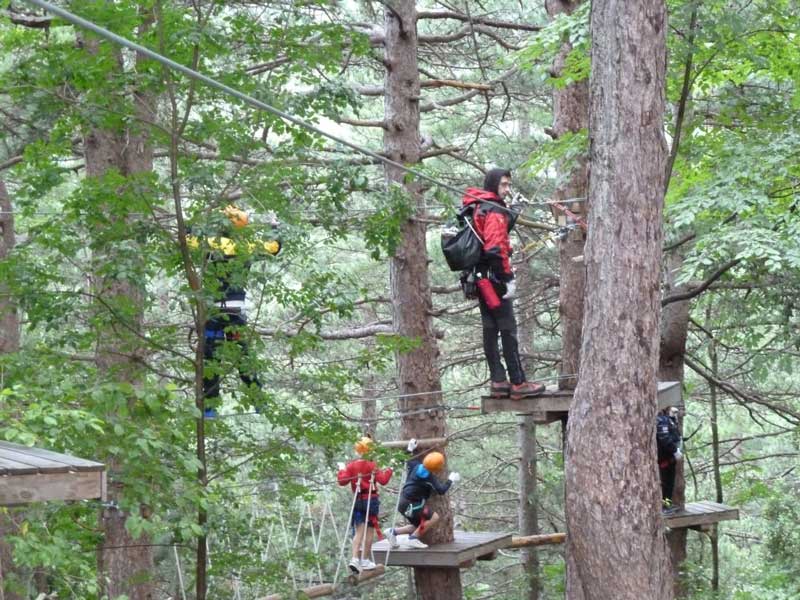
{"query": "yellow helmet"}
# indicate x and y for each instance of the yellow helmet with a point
(433, 461)
(364, 445)
(237, 216)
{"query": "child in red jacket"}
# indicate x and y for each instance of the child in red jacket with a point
(364, 476)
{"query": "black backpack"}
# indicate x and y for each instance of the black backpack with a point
(461, 245)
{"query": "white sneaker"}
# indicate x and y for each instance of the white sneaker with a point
(367, 564)
(391, 537)
(355, 566)
(416, 543)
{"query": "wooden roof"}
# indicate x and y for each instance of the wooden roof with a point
(700, 515)
(466, 548)
(36, 475)
(554, 403)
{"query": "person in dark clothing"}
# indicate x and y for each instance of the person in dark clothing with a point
(420, 483)
(493, 221)
(227, 316)
(668, 440)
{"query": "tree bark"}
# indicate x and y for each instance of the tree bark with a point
(9, 320)
(615, 535)
(125, 564)
(411, 295)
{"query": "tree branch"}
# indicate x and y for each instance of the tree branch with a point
(10, 162)
(742, 396)
(32, 21)
(449, 14)
(703, 286)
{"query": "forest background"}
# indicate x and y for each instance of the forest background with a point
(109, 159)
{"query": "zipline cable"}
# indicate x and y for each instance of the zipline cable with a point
(247, 99)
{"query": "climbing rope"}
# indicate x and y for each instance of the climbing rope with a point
(396, 512)
(344, 540)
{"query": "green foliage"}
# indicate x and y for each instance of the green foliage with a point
(571, 29)
(383, 229)
(559, 155)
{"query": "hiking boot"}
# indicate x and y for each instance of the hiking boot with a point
(499, 389)
(526, 389)
(415, 543)
(355, 566)
(367, 564)
(391, 537)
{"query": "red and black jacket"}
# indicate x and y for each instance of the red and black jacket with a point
(493, 222)
(370, 474)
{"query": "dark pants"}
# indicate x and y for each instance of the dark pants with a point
(667, 480)
(501, 321)
(216, 337)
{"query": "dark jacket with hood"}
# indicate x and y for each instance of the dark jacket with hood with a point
(493, 221)
(420, 482)
(668, 439)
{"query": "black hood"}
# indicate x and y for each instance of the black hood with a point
(491, 182)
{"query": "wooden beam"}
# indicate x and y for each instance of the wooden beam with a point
(464, 85)
(555, 403)
(328, 589)
(524, 541)
(41, 487)
(421, 443)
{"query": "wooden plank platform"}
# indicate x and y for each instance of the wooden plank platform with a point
(467, 547)
(554, 404)
(700, 515)
(36, 475)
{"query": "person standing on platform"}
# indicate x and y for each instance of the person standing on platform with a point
(493, 221)
(363, 475)
(668, 440)
(229, 256)
(420, 483)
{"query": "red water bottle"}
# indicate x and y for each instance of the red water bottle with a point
(488, 294)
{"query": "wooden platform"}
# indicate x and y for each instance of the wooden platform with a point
(554, 404)
(35, 475)
(700, 515)
(467, 547)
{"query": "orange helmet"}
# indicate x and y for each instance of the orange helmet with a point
(364, 445)
(433, 461)
(237, 216)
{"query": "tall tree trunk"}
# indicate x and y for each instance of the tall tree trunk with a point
(570, 115)
(528, 512)
(369, 407)
(615, 535)
(9, 320)
(411, 296)
(674, 330)
(675, 316)
(714, 362)
(125, 563)
(9, 342)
